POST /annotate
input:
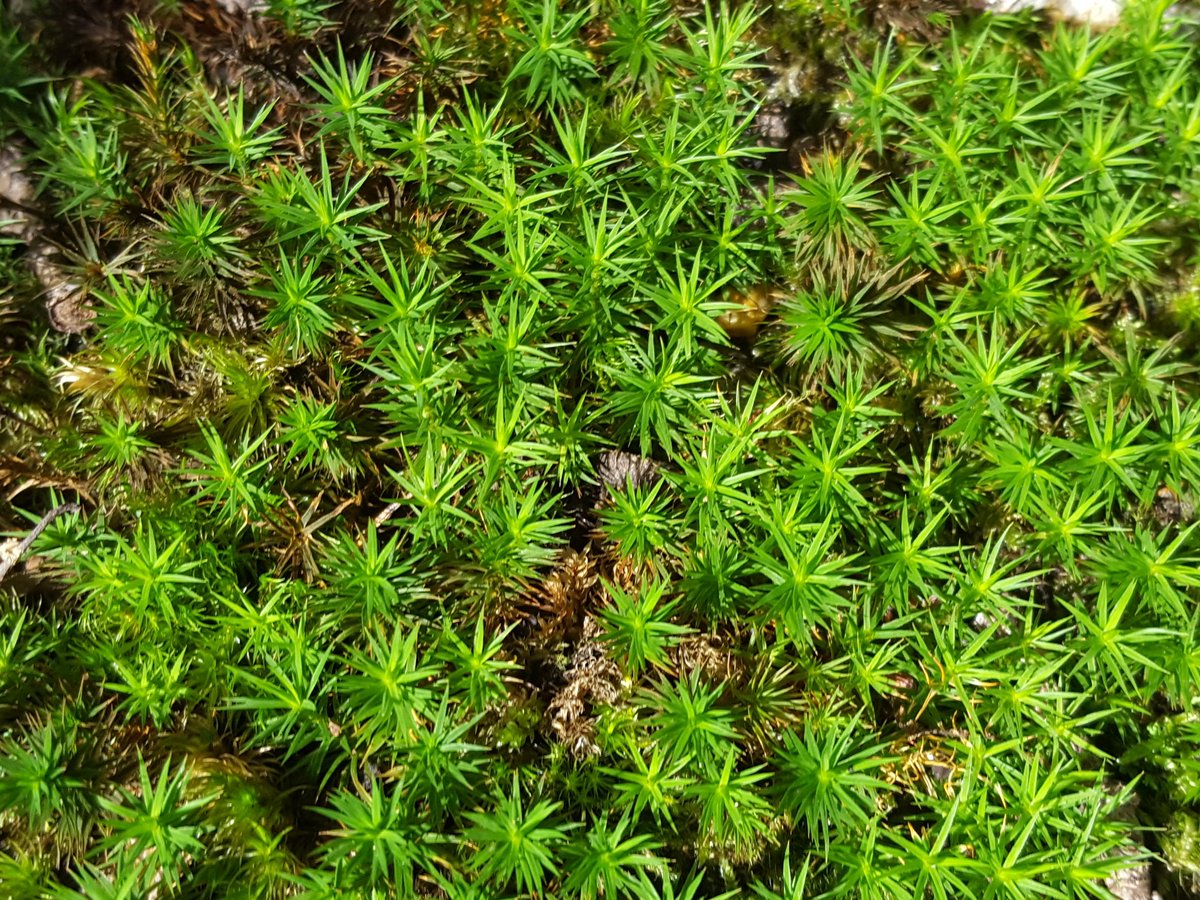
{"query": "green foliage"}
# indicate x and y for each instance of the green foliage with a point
(607, 862)
(826, 780)
(500, 474)
(639, 627)
(552, 63)
(347, 102)
(515, 845)
(153, 829)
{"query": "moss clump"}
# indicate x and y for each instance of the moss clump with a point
(467, 461)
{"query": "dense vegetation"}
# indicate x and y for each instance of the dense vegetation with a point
(496, 468)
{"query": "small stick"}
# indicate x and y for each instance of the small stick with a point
(386, 513)
(62, 510)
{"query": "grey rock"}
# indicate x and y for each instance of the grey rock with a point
(246, 7)
(16, 196)
(616, 468)
(65, 302)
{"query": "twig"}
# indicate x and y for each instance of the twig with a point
(387, 512)
(42, 525)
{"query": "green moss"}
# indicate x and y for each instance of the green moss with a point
(501, 475)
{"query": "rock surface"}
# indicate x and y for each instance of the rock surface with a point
(16, 196)
(1101, 13)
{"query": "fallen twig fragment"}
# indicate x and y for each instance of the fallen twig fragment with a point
(10, 554)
